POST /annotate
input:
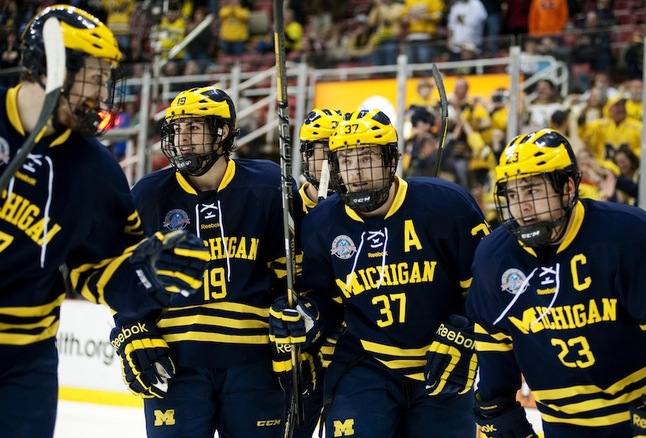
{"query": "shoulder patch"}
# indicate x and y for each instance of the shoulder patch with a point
(343, 247)
(512, 281)
(176, 219)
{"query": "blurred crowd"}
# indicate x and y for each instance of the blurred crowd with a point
(600, 40)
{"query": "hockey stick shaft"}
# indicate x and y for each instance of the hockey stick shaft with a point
(55, 56)
(444, 108)
(324, 180)
(295, 413)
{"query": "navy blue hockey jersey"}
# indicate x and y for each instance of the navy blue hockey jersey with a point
(398, 276)
(226, 323)
(69, 204)
(570, 318)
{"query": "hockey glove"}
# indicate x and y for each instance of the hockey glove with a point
(310, 363)
(145, 362)
(502, 417)
(299, 325)
(172, 262)
(451, 361)
(638, 418)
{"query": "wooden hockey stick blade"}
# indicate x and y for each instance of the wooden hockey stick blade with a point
(324, 181)
(444, 107)
(55, 56)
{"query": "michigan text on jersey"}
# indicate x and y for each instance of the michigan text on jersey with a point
(567, 317)
(23, 214)
(394, 274)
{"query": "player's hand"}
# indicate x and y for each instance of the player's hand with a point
(172, 262)
(638, 417)
(451, 361)
(502, 417)
(310, 363)
(294, 325)
(145, 358)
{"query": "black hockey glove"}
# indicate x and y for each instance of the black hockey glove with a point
(638, 417)
(451, 361)
(299, 325)
(145, 362)
(502, 417)
(172, 262)
(310, 363)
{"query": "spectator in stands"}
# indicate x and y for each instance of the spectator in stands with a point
(538, 111)
(361, 41)
(547, 17)
(424, 98)
(592, 46)
(465, 24)
(615, 129)
(586, 108)
(604, 11)
(13, 16)
(234, 27)
(516, 13)
(293, 33)
(529, 65)
(634, 105)
(634, 56)
(172, 30)
(421, 18)
(200, 50)
(118, 15)
(628, 179)
(10, 59)
(385, 16)
(417, 149)
(560, 121)
(493, 26)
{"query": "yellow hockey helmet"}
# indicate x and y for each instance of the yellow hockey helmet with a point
(82, 33)
(363, 128)
(213, 107)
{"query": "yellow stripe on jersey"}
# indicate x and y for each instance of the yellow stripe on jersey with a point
(21, 333)
(614, 389)
(606, 420)
(222, 338)
(410, 361)
(216, 321)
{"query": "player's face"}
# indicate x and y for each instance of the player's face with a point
(88, 93)
(192, 135)
(363, 169)
(315, 161)
(533, 200)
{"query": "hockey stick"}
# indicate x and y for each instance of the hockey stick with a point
(295, 413)
(55, 56)
(444, 107)
(324, 180)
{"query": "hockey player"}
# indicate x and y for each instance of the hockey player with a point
(218, 339)
(392, 259)
(315, 147)
(68, 205)
(315, 135)
(558, 295)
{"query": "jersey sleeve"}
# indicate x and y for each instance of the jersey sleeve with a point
(499, 374)
(99, 267)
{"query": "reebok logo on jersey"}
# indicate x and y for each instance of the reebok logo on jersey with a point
(127, 332)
